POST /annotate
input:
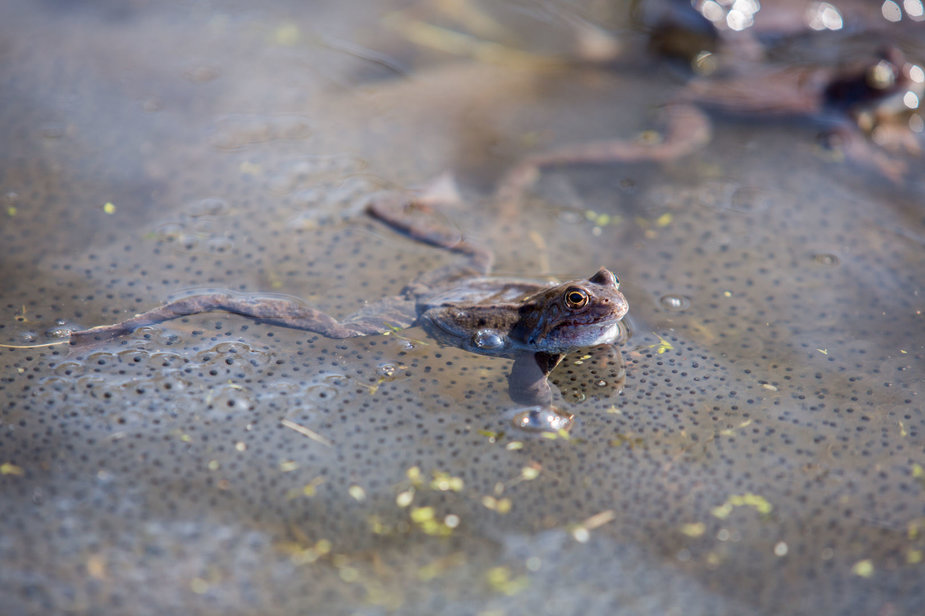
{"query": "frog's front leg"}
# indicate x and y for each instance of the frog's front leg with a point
(528, 385)
(528, 382)
(377, 318)
(687, 128)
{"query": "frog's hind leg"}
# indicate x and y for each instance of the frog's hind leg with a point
(398, 214)
(383, 316)
(687, 129)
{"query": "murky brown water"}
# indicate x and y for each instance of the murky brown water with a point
(765, 456)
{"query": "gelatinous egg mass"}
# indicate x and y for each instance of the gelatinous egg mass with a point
(754, 447)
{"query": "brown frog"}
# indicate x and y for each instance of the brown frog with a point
(534, 323)
(866, 110)
(684, 28)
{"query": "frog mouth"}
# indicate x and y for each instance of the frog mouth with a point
(591, 319)
(577, 333)
(576, 327)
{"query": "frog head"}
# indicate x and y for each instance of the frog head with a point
(574, 314)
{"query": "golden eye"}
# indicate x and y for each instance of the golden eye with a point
(576, 298)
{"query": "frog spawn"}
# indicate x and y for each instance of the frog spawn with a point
(762, 457)
(655, 420)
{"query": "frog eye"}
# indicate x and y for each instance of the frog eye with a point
(576, 298)
(605, 277)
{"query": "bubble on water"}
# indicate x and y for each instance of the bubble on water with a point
(406, 344)
(488, 340)
(825, 259)
(675, 303)
(543, 419)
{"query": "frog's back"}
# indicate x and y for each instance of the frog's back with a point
(479, 314)
(483, 291)
(504, 316)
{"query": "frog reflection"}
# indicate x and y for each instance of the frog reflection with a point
(533, 323)
(867, 110)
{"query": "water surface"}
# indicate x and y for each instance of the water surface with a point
(764, 457)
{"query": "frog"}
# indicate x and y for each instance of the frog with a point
(684, 29)
(868, 110)
(535, 323)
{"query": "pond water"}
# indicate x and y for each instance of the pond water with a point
(764, 454)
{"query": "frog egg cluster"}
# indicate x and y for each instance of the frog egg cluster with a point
(755, 447)
(718, 449)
